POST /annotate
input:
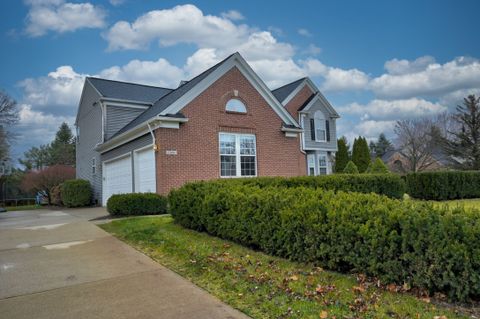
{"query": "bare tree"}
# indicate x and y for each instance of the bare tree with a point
(8, 117)
(415, 140)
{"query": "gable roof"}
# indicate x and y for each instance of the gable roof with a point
(128, 91)
(319, 97)
(282, 92)
(166, 100)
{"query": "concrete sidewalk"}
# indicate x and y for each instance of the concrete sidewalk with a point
(58, 264)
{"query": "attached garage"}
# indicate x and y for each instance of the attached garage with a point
(144, 170)
(117, 177)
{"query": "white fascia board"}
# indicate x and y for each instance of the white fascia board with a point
(254, 79)
(306, 82)
(125, 103)
(333, 149)
(319, 97)
(139, 130)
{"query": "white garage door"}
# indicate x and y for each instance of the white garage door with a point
(144, 163)
(117, 177)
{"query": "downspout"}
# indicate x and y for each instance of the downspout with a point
(153, 136)
(302, 141)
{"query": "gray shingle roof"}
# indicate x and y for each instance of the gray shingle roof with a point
(166, 100)
(282, 92)
(128, 91)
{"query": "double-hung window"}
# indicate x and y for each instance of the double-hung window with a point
(322, 165)
(237, 155)
(311, 164)
(320, 127)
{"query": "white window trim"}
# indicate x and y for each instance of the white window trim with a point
(310, 166)
(94, 166)
(237, 155)
(319, 156)
(319, 118)
(234, 100)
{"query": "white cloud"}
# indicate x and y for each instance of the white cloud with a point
(371, 128)
(116, 2)
(158, 73)
(312, 50)
(393, 109)
(35, 127)
(304, 32)
(423, 77)
(59, 88)
(59, 16)
(181, 24)
(233, 15)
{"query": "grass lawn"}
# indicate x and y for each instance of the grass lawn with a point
(263, 286)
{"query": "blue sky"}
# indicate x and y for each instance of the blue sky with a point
(376, 61)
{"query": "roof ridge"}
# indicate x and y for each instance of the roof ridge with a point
(301, 79)
(213, 66)
(132, 83)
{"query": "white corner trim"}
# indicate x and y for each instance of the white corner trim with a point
(235, 60)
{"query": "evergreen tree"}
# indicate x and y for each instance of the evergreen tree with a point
(377, 167)
(373, 147)
(62, 149)
(465, 142)
(36, 158)
(350, 168)
(341, 157)
(361, 154)
(382, 146)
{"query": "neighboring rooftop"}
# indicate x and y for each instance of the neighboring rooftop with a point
(128, 91)
(282, 92)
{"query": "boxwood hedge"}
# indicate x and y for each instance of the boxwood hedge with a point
(390, 185)
(137, 204)
(75, 193)
(398, 242)
(444, 185)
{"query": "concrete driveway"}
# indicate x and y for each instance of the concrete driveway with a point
(58, 264)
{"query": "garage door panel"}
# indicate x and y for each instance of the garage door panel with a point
(145, 179)
(117, 177)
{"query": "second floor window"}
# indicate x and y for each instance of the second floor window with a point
(235, 105)
(320, 127)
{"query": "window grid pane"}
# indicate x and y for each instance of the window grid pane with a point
(247, 145)
(227, 144)
(228, 166)
(247, 165)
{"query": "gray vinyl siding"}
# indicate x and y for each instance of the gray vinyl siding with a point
(89, 121)
(129, 147)
(311, 144)
(119, 116)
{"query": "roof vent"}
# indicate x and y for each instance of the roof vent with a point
(182, 83)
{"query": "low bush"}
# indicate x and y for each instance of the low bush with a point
(398, 242)
(390, 185)
(137, 204)
(444, 185)
(76, 193)
(351, 168)
(377, 167)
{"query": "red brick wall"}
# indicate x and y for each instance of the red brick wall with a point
(299, 99)
(196, 142)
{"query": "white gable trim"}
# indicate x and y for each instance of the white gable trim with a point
(306, 82)
(319, 97)
(235, 60)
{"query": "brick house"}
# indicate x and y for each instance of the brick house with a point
(223, 123)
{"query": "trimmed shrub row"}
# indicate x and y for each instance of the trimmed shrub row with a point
(444, 185)
(398, 242)
(76, 193)
(137, 204)
(390, 185)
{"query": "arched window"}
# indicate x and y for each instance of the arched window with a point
(320, 126)
(235, 105)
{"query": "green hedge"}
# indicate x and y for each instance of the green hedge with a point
(76, 193)
(395, 241)
(444, 185)
(390, 185)
(137, 204)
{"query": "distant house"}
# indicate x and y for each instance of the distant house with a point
(398, 162)
(224, 123)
